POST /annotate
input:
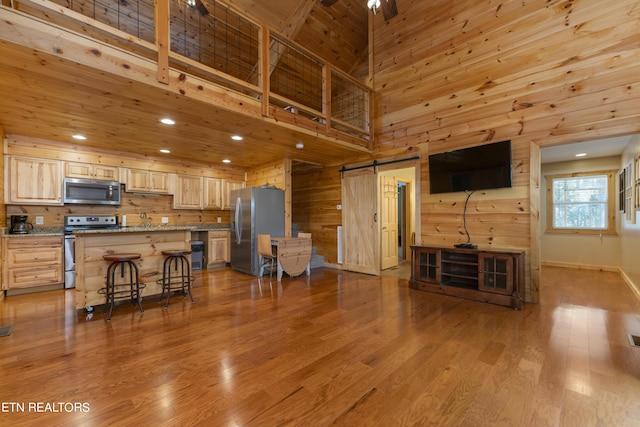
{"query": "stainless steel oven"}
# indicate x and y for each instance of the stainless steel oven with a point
(69, 261)
(76, 223)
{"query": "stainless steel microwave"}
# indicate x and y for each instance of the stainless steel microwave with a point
(91, 192)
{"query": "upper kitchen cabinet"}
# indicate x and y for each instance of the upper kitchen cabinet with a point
(146, 181)
(33, 181)
(187, 192)
(92, 171)
(228, 186)
(197, 192)
(212, 193)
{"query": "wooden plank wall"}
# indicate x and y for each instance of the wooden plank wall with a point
(316, 194)
(155, 207)
(551, 72)
(454, 75)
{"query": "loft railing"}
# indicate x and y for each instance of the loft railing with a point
(209, 39)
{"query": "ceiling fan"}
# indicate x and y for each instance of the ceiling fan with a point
(389, 7)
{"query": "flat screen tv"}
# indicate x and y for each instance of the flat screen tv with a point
(476, 168)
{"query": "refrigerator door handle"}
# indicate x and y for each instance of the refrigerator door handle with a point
(238, 220)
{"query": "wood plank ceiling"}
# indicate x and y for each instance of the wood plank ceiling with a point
(46, 97)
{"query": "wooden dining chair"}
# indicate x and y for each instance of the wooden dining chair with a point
(266, 256)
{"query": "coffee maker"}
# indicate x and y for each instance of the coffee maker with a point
(19, 225)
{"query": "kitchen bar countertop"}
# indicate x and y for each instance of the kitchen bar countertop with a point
(143, 229)
(59, 231)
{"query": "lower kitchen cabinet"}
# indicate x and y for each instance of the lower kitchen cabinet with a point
(491, 276)
(30, 261)
(218, 248)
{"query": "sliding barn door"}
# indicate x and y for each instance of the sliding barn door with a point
(359, 227)
(388, 222)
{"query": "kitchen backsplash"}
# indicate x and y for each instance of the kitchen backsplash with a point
(137, 208)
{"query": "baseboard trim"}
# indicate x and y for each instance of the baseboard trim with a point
(609, 268)
(333, 265)
(634, 288)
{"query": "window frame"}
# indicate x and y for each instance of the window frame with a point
(611, 203)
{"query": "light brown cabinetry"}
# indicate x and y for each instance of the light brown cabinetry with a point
(146, 181)
(196, 192)
(187, 192)
(33, 181)
(482, 275)
(228, 186)
(212, 197)
(92, 171)
(32, 261)
(218, 247)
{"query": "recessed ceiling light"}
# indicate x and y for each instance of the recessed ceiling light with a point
(226, 161)
(581, 154)
(79, 137)
(164, 150)
(167, 121)
(236, 138)
(299, 145)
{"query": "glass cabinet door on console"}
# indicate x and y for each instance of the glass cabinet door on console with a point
(496, 273)
(427, 269)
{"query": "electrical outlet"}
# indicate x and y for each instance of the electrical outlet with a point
(165, 220)
(39, 220)
(219, 219)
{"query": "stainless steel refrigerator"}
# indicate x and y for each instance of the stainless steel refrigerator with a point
(254, 210)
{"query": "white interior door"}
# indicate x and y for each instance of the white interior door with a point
(388, 221)
(359, 227)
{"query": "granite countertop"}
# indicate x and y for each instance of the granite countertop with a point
(153, 228)
(59, 231)
(36, 231)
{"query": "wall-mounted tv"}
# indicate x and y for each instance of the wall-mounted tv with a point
(476, 168)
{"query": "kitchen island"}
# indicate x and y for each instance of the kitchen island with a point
(149, 242)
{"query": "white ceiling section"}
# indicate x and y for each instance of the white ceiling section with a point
(593, 149)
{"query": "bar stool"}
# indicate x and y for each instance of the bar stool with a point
(121, 289)
(176, 273)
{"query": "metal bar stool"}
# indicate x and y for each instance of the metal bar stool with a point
(176, 274)
(126, 287)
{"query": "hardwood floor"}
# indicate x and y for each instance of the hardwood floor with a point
(334, 349)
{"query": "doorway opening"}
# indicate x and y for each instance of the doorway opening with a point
(397, 213)
(370, 216)
(403, 238)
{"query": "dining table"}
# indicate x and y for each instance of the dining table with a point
(294, 255)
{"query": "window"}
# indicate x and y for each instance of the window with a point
(581, 203)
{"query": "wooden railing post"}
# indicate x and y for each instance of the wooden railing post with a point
(326, 95)
(265, 71)
(162, 18)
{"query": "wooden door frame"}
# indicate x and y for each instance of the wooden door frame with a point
(409, 163)
(406, 236)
